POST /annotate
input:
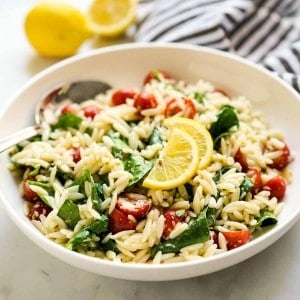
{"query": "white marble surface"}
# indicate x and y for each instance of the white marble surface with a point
(27, 272)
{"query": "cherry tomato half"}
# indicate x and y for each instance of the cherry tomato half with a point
(119, 97)
(133, 204)
(173, 107)
(68, 109)
(241, 159)
(76, 154)
(283, 160)
(119, 221)
(39, 208)
(28, 193)
(91, 111)
(144, 101)
(276, 186)
(255, 175)
(236, 238)
(153, 75)
(172, 218)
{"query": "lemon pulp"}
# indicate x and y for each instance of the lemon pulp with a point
(176, 164)
(199, 133)
(111, 18)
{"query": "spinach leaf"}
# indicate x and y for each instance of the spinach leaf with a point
(227, 119)
(134, 163)
(35, 171)
(199, 97)
(69, 212)
(83, 239)
(109, 245)
(219, 173)
(118, 144)
(44, 185)
(155, 137)
(266, 218)
(96, 188)
(245, 187)
(197, 232)
(48, 193)
(68, 120)
(211, 216)
(137, 166)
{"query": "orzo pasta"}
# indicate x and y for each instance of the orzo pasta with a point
(82, 179)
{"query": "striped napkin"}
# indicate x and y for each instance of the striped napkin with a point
(263, 31)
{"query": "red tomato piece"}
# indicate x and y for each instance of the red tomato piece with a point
(172, 218)
(91, 111)
(39, 208)
(28, 193)
(214, 237)
(119, 97)
(276, 186)
(76, 154)
(153, 75)
(283, 160)
(144, 101)
(68, 109)
(136, 205)
(119, 221)
(255, 175)
(173, 107)
(236, 238)
(241, 159)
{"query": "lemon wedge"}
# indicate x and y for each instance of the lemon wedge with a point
(176, 164)
(199, 133)
(111, 18)
(56, 29)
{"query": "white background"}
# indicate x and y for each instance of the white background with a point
(27, 272)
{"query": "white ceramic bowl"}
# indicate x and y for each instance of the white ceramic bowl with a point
(126, 65)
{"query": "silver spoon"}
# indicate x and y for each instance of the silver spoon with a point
(77, 92)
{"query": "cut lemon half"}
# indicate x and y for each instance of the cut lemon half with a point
(199, 133)
(176, 164)
(110, 18)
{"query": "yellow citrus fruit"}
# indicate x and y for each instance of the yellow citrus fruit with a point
(56, 29)
(199, 133)
(110, 18)
(176, 164)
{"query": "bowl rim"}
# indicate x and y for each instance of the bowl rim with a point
(258, 244)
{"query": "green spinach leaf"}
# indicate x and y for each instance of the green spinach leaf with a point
(155, 137)
(97, 195)
(199, 97)
(68, 120)
(197, 232)
(134, 163)
(69, 212)
(266, 218)
(48, 193)
(83, 239)
(226, 120)
(245, 186)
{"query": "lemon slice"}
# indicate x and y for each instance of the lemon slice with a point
(176, 164)
(111, 18)
(199, 133)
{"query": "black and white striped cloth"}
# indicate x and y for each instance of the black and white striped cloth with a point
(263, 31)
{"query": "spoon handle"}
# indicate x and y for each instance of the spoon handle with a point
(18, 137)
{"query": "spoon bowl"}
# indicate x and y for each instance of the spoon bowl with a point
(77, 92)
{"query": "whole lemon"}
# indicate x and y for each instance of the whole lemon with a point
(56, 29)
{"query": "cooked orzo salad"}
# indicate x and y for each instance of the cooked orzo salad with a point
(166, 172)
